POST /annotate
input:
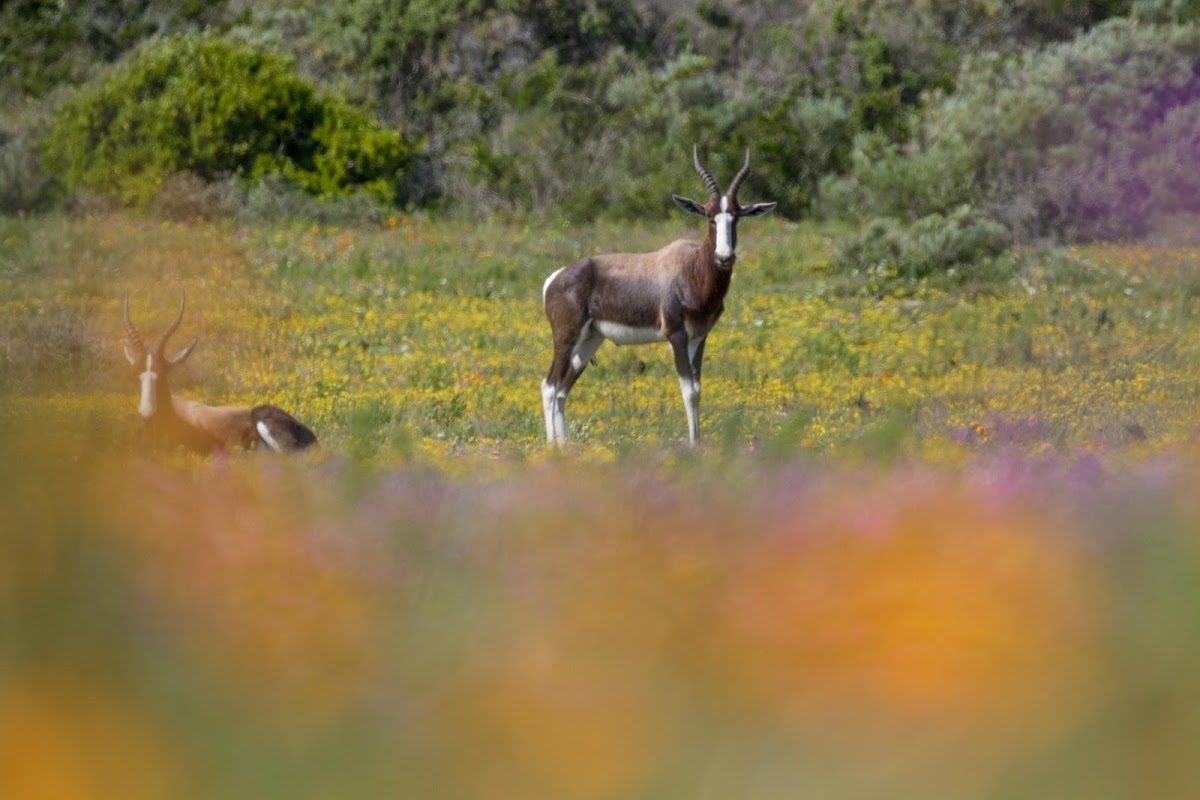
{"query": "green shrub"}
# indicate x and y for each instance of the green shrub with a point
(1089, 139)
(216, 109)
(888, 179)
(888, 248)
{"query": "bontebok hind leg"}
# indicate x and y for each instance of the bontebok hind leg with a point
(551, 386)
(581, 355)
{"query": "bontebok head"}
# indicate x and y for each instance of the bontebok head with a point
(152, 366)
(179, 422)
(722, 210)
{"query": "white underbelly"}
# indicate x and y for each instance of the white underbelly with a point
(627, 334)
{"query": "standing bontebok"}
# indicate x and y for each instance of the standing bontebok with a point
(177, 422)
(675, 295)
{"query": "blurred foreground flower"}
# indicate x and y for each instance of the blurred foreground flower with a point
(278, 604)
(913, 597)
(259, 628)
(62, 740)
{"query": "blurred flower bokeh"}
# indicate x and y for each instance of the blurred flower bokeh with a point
(256, 628)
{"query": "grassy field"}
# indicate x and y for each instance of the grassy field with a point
(428, 337)
(941, 543)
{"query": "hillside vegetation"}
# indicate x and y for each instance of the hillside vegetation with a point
(1056, 119)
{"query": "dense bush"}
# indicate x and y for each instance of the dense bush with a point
(216, 109)
(961, 240)
(1084, 140)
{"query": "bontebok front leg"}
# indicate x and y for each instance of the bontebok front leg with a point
(696, 356)
(689, 383)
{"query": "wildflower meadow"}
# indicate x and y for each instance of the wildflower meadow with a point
(939, 542)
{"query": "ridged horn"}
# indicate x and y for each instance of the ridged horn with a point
(713, 190)
(132, 337)
(742, 173)
(174, 326)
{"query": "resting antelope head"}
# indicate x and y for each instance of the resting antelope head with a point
(179, 422)
(722, 210)
(152, 365)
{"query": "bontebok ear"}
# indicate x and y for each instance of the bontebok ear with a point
(690, 206)
(130, 356)
(757, 209)
(182, 355)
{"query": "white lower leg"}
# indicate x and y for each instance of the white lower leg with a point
(690, 389)
(548, 410)
(560, 418)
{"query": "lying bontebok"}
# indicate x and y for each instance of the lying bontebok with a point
(177, 422)
(675, 295)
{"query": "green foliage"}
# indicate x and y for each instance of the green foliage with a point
(46, 43)
(1083, 140)
(573, 108)
(616, 141)
(217, 109)
(409, 57)
(580, 109)
(889, 179)
(584, 142)
(962, 241)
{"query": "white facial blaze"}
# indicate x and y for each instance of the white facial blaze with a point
(724, 223)
(149, 380)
